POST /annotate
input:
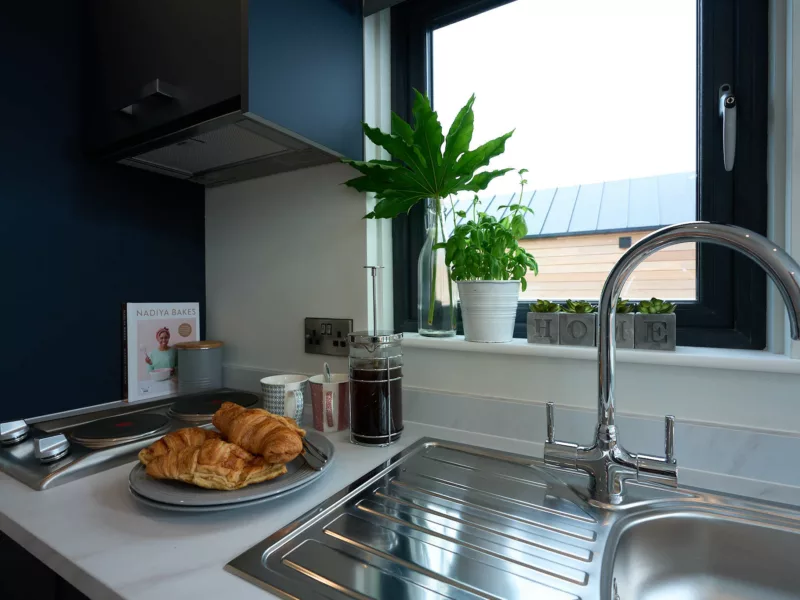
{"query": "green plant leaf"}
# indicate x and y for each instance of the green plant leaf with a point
(394, 144)
(624, 307)
(449, 254)
(361, 184)
(402, 129)
(460, 134)
(518, 227)
(472, 160)
(532, 264)
(376, 171)
(419, 169)
(498, 248)
(580, 307)
(482, 180)
(545, 306)
(394, 204)
(428, 137)
(656, 306)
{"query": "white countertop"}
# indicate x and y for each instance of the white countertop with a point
(97, 537)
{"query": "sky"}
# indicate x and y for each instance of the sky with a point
(597, 90)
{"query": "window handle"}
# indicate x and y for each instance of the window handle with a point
(727, 111)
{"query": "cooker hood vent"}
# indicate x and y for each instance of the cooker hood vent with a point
(240, 150)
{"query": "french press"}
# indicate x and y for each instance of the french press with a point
(376, 382)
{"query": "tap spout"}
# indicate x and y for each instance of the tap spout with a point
(781, 268)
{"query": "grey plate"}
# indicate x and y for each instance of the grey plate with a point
(217, 507)
(176, 493)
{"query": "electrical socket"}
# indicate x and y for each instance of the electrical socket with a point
(327, 336)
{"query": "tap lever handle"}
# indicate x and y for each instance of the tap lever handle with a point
(669, 439)
(551, 426)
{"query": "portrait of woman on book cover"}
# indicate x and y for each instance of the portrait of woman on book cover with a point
(150, 359)
(163, 357)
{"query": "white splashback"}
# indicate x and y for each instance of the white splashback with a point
(728, 459)
(279, 249)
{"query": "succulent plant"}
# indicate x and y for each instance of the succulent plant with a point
(624, 307)
(580, 307)
(545, 306)
(656, 306)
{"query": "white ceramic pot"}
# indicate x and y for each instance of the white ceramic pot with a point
(489, 309)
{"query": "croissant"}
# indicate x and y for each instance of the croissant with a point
(278, 439)
(216, 465)
(176, 440)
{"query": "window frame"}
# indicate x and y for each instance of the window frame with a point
(731, 309)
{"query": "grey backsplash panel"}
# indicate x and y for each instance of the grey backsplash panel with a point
(717, 449)
(729, 459)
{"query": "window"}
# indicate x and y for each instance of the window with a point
(604, 160)
(615, 105)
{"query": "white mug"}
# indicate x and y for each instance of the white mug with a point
(283, 395)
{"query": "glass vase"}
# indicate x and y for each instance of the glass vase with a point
(438, 294)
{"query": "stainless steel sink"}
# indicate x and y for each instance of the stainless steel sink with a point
(446, 520)
(708, 555)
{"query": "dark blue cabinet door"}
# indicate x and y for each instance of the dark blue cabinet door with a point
(305, 65)
(194, 49)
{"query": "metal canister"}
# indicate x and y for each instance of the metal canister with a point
(376, 387)
(199, 366)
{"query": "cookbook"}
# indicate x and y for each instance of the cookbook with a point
(150, 332)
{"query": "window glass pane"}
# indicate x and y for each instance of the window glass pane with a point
(603, 96)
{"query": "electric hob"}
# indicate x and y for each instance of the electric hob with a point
(44, 452)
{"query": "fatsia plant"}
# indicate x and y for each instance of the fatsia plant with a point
(427, 164)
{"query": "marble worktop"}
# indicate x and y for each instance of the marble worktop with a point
(105, 543)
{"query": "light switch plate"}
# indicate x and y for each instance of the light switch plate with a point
(327, 336)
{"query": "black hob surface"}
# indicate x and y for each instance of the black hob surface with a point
(205, 405)
(110, 436)
(119, 428)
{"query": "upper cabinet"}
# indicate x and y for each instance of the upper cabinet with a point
(225, 90)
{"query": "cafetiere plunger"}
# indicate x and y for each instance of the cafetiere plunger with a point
(376, 381)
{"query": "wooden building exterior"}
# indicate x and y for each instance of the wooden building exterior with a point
(577, 266)
(577, 233)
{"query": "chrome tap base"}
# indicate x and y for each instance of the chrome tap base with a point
(607, 463)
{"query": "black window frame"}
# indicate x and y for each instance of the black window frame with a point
(733, 37)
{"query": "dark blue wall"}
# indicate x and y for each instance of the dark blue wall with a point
(77, 237)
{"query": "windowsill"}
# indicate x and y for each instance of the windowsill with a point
(684, 356)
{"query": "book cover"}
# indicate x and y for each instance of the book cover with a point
(150, 331)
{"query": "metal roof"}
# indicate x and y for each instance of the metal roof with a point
(611, 206)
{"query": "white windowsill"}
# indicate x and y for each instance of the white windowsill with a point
(709, 358)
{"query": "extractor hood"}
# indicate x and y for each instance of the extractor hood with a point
(230, 149)
(231, 90)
